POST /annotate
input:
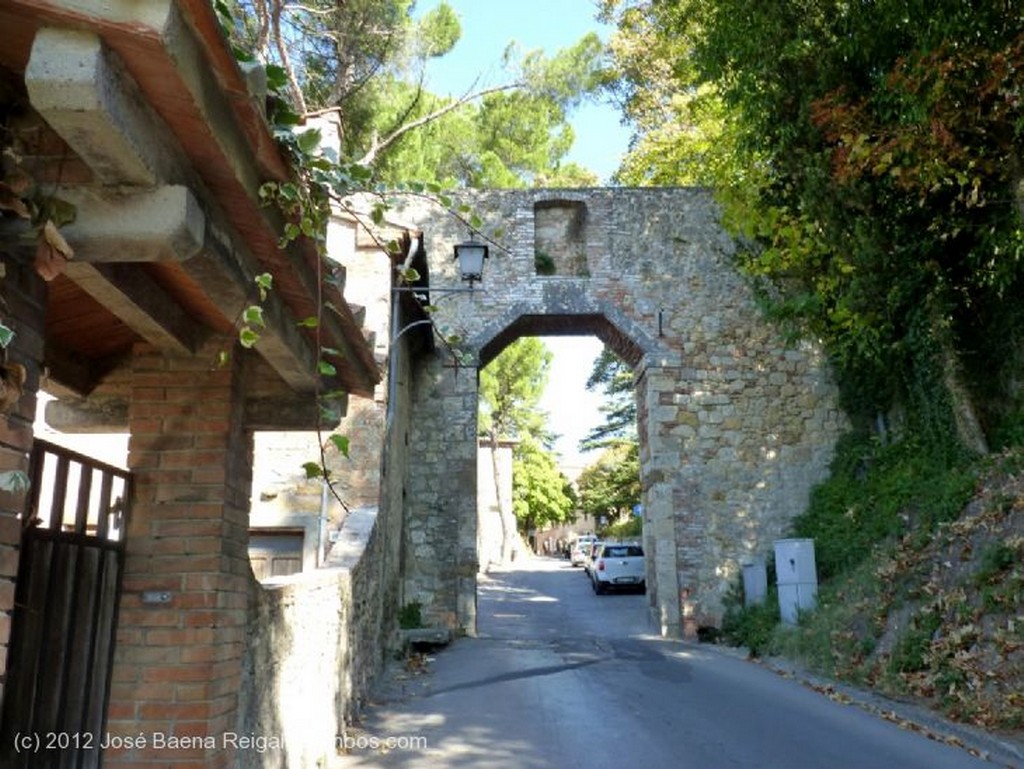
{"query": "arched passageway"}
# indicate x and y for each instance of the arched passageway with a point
(735, 426)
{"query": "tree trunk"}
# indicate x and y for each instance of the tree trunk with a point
(968, 426)
(965, 416)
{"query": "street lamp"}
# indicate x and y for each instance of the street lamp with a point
(471, 257)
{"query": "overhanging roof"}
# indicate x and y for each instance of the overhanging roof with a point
(136, 112)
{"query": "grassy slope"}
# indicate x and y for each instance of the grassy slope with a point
(936, 616)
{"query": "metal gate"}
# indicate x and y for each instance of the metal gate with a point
(65, 617)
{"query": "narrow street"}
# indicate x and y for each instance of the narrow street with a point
(561, 677)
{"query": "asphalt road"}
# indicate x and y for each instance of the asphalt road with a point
(561, 677)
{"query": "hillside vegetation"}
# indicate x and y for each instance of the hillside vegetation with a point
(871, 169)
(933, 609)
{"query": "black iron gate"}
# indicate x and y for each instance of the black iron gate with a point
(65, 617)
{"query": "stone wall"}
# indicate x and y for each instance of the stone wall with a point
(440, 560)
(735, 425)
(314, 643)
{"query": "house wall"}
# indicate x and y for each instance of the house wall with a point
(494, 497)
(177, 662)
(315, 641)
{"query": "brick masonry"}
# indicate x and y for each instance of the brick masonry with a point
(23, 299)
(735, 425)
(177, 666)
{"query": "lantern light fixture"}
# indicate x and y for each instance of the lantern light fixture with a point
(471, 256)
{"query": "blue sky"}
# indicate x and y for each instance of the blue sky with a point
(488, 26)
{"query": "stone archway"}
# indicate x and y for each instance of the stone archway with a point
(735, 425)
(557, 312)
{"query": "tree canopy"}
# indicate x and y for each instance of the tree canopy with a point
(870, 163)
(541, 494)
(511, 387)
(364, 61)
(610, 488)
(614, 378)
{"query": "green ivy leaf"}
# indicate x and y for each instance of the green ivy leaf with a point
(253, 315)
(309, 140)
(6, 335)
(313, 469)
(277, 77)
(267, 191)
(327, 368)
(247, 337)
(341, 443)
(265, 281)
(311, 322)
(60, 211)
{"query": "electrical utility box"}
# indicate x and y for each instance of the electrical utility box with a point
(797, 577)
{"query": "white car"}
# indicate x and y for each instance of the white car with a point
(581, 549)
(588, 564)
(619, 565)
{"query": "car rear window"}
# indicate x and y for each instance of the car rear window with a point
(623, 551)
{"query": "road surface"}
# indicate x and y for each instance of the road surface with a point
(561, 677)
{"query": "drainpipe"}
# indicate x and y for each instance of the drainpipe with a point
(394, 349)
(321, 524)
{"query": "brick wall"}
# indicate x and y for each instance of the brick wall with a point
(24, 296)
(177, 665)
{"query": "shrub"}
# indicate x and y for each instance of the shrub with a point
(411, 616)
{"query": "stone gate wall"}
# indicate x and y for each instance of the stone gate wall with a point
(735, 425)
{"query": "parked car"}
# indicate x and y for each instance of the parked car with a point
(588, 564)
(581, 549)
(619, 565)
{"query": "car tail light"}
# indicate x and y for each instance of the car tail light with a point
(600, 565)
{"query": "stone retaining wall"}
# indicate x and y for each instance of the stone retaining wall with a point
(315, 642)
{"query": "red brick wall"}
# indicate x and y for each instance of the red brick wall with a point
(23, 309)
(178, 664)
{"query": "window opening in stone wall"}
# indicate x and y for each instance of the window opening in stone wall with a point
(560, 243)
(275, 553)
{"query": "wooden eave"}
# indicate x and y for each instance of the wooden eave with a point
(177, 56)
